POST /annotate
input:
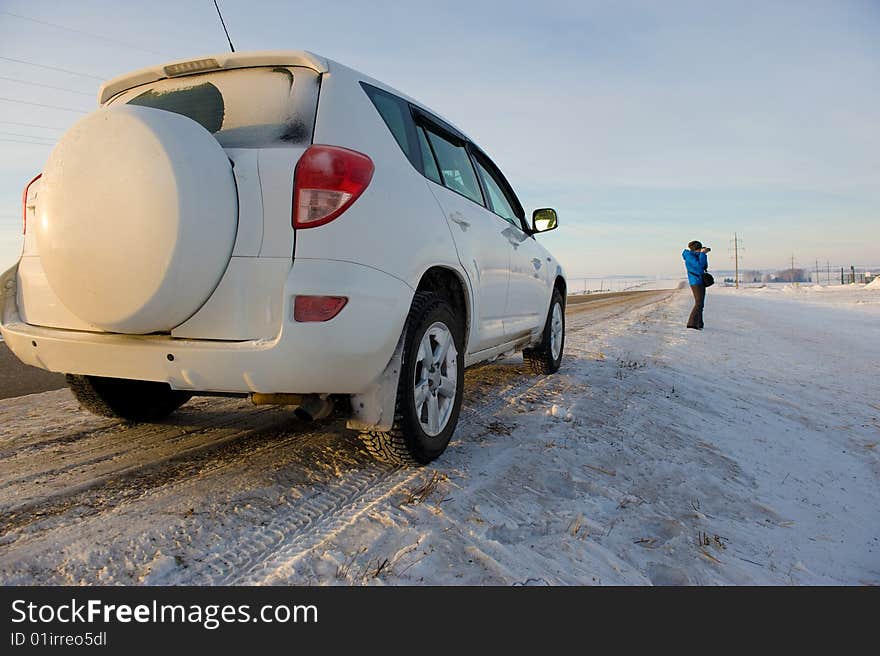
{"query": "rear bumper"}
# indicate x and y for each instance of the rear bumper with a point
(340, 356)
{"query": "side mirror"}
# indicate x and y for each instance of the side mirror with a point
(544, 219)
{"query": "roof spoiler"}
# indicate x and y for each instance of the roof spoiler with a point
(225, 61)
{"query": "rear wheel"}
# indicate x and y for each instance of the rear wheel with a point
(546, 357)
(429, 391)
(132, 400)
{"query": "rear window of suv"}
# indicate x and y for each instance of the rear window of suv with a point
(252, 107)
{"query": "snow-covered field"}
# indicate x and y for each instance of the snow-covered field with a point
(743, 454)
(865, 298)
(599, 284)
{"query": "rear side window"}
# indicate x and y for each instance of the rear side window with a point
(455, 166)
(428, 163)
(252, 107)
(396, 114)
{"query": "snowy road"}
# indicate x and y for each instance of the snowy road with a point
(743, 454)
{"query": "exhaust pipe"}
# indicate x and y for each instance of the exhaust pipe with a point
(314, 408)
(258, 398)
(309, 407)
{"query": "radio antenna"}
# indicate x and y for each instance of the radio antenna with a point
(223, 23)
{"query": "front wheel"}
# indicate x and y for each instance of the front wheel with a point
(429, 391)
(546, 356)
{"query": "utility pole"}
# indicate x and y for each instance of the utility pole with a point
(791, 275)
(817, 271)
(736, 258)
(828, 270)
(737, 247)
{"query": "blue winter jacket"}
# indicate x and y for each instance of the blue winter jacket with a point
(695, 263)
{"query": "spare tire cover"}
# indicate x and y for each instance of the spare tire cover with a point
(136, 219)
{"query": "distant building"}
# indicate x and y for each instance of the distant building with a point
(790, 275)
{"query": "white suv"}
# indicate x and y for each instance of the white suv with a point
(279, 226)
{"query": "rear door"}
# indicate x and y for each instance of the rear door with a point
(483, 248)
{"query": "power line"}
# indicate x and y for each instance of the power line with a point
(83, 32)
(29, 136)
(33, 125)
(25, 102)
(54, 68)
(32, 143)
(46, 86)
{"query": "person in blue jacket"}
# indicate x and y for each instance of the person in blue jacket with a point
(696, 262)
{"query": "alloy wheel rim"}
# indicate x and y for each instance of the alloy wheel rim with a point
(435, 379)
(556, 331)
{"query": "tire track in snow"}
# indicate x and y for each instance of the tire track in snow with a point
(146, 453)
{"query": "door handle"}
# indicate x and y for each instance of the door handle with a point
(459, 219)
(537, 263)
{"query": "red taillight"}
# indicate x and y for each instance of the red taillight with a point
(317, 308)
(327, 181)
(24, 196)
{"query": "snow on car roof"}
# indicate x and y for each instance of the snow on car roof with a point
(222, 61)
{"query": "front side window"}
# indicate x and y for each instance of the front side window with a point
(455, 167)
(498, 201)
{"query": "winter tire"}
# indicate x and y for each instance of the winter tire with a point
(546, 357)
(430, 388)
(132, 400)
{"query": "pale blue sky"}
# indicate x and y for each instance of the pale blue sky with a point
(647, 124)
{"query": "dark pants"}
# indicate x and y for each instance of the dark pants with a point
(696, 318)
